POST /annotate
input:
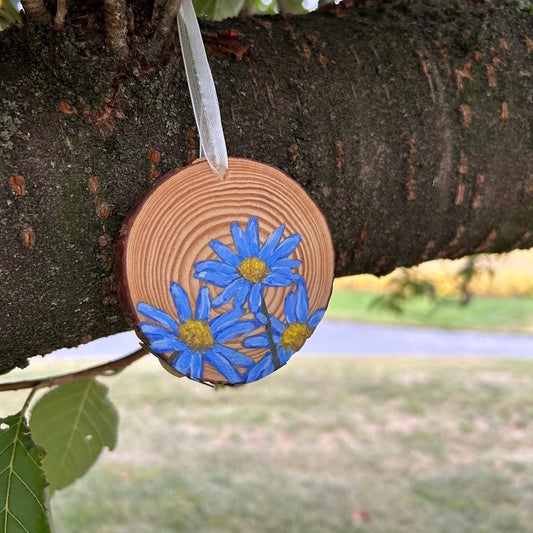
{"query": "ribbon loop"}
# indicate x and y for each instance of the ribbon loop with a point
(202, 88)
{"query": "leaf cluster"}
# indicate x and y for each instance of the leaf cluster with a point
(408, 285)
(403, 289)
(221, 9)
(68, 428)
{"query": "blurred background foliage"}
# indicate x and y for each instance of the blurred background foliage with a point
(9, 13)
(487, 291)
(209, 9)
(491, 275)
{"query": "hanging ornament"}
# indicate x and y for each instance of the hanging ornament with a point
(225, 267)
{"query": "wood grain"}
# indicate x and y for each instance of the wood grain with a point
(171, 227)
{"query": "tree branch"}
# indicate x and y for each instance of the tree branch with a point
(111, 367)
(409, 127)
(36, 12)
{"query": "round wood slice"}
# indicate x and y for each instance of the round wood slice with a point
(170, 229)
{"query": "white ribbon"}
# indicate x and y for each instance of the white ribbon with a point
(202, 89)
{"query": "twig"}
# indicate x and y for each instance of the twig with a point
(115, 27)
(168, 19)
(36, 12)
(61, 13)
(156, 10)
(113, 366)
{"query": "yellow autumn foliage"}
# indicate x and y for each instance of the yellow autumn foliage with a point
(508, 274)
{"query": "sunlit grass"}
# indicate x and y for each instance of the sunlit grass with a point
(484, 313)
(374, 445)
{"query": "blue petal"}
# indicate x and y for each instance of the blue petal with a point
(214, 266)
(285, 248)
(233, 356)
(197, 365)
(235, 330)
(222, 365)
(181, 301)
(255, 298)
(284, 272)
(252, 236)
(261, 317)
(316, 317)
(157, 315)
(183, 362)
(216, 278)
(275, 279)
(225, 320)
(242, 294)
(203, 304)
(167, 345)
(152, 331)
(225, 253)
(261, 369)
(284, 355)
(302, 302)
(240, 241)
(290, 307)
(256, 341)
(287, 263)
(271, 243)
(278, 327)
(229, 292)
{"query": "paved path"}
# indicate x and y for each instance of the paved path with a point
(342, 338)
(350, 339)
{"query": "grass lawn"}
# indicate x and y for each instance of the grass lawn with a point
(324, 445)
(503, 314)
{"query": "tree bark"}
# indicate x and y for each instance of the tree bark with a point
(36, 12)
(409, 123)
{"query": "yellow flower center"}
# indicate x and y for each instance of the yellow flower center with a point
(295, 335)
(196, 334)
(253, 269)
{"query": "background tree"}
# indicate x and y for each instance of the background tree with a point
(408, 122)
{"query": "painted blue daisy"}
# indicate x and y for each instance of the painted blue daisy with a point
(287, 338)
(244, 272)
(191, 341)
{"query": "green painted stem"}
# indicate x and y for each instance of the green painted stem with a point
(270, 333)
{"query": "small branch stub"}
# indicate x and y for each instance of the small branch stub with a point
(167, 23)
(116, 27)
(61, 13)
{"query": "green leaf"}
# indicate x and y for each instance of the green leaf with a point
(73, 422)
(22, 482)
(218, 9)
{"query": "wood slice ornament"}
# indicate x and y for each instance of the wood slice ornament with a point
(224, 280)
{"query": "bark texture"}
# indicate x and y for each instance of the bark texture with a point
(36, 11)
(409, 123)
